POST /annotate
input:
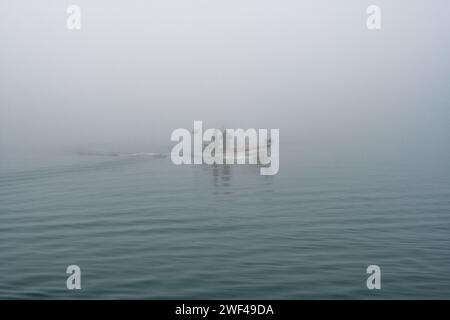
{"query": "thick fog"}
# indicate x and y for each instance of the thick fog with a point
(139, 69)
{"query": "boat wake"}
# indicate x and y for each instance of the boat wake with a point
(120, 154)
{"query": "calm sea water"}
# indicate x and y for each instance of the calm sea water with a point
(140, 227)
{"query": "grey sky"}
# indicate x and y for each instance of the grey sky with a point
(139, 69)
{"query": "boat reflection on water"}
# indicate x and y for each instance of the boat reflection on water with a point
(221, 174)
(236, 179)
